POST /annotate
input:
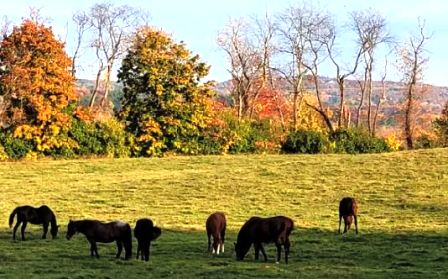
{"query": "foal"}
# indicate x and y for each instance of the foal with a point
(96, 231)
(216, 227)
(348, 209)
(42, 215)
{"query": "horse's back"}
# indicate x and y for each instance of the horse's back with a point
(348, 206)
(267, 230)
(216, 222)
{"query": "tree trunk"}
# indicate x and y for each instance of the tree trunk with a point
(95, 89)
(408, 117)
(107, 85)
(341, 105)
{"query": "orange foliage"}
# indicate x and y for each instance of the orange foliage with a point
(37, 84)
(272, 104)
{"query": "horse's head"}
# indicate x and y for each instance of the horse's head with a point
(54, 231)
(241, 250)
(349, 221)
(71, 229)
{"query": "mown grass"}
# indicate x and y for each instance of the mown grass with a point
(403, 214)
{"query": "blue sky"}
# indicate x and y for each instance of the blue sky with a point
(197, 23)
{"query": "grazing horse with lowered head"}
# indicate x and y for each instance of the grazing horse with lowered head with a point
(216, 227)
(145, 232)
(37, 216)
(264, 230)
(348, 209)
(96, 231)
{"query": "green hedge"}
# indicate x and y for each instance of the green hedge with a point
(305, 141)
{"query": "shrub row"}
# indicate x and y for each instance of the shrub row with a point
(226, 135)
(351, 141)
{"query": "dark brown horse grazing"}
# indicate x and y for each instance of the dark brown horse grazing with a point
(216, 227)
(28, 214)
(96, 231)
(145, 232)
(348, 209)
(264, 230)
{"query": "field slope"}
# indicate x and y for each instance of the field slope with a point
(403, 218)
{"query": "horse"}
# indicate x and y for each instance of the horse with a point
(259, 230)
(96, 231)
(348, 209)
(216, 227)
(41, 215)
(145, 232)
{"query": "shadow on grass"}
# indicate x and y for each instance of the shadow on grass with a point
(182, 254)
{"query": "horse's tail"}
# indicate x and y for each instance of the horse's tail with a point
(127, 242)
(11, 217)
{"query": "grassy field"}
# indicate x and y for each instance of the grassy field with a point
(403, 217)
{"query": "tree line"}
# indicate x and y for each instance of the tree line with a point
(167, 107)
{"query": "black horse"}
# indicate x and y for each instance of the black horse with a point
(145, 232)
(96, 231)
(264, 230)
(37, 216)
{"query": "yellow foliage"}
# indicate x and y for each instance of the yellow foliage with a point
(394, 143)
(3, 154)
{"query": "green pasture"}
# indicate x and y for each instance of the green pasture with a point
(403, 220)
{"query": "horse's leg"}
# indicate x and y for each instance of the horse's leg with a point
(93, 248)
(257, 251)
(287, 246)
(23, 229)
(119, 248)
(15, 229)
(209, 241)
(147, 250)
(279, 251)
(345, 224)
(223, 237)
(356, 223)
(216, 243)
(340, 217)
(138, 247)
(263, 252)
(45, 230)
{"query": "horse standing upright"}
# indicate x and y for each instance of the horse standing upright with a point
(28, 214)
(348, 209)
(264, 230)
(145, 232)
(96, 231)
(216, 227)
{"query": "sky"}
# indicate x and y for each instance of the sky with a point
(198, 22)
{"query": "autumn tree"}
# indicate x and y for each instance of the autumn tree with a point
(249, 49)
(293, 26)
(412, 61)
(36, 85)
(165, 103)
(371, 31)
(108, 30)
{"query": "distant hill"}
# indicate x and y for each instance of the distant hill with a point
(431, 101)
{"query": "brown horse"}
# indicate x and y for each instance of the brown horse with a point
(264, 230)
(348, 209)
(41, 215)
(145, 232)
(96, 231)
(216, 227)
